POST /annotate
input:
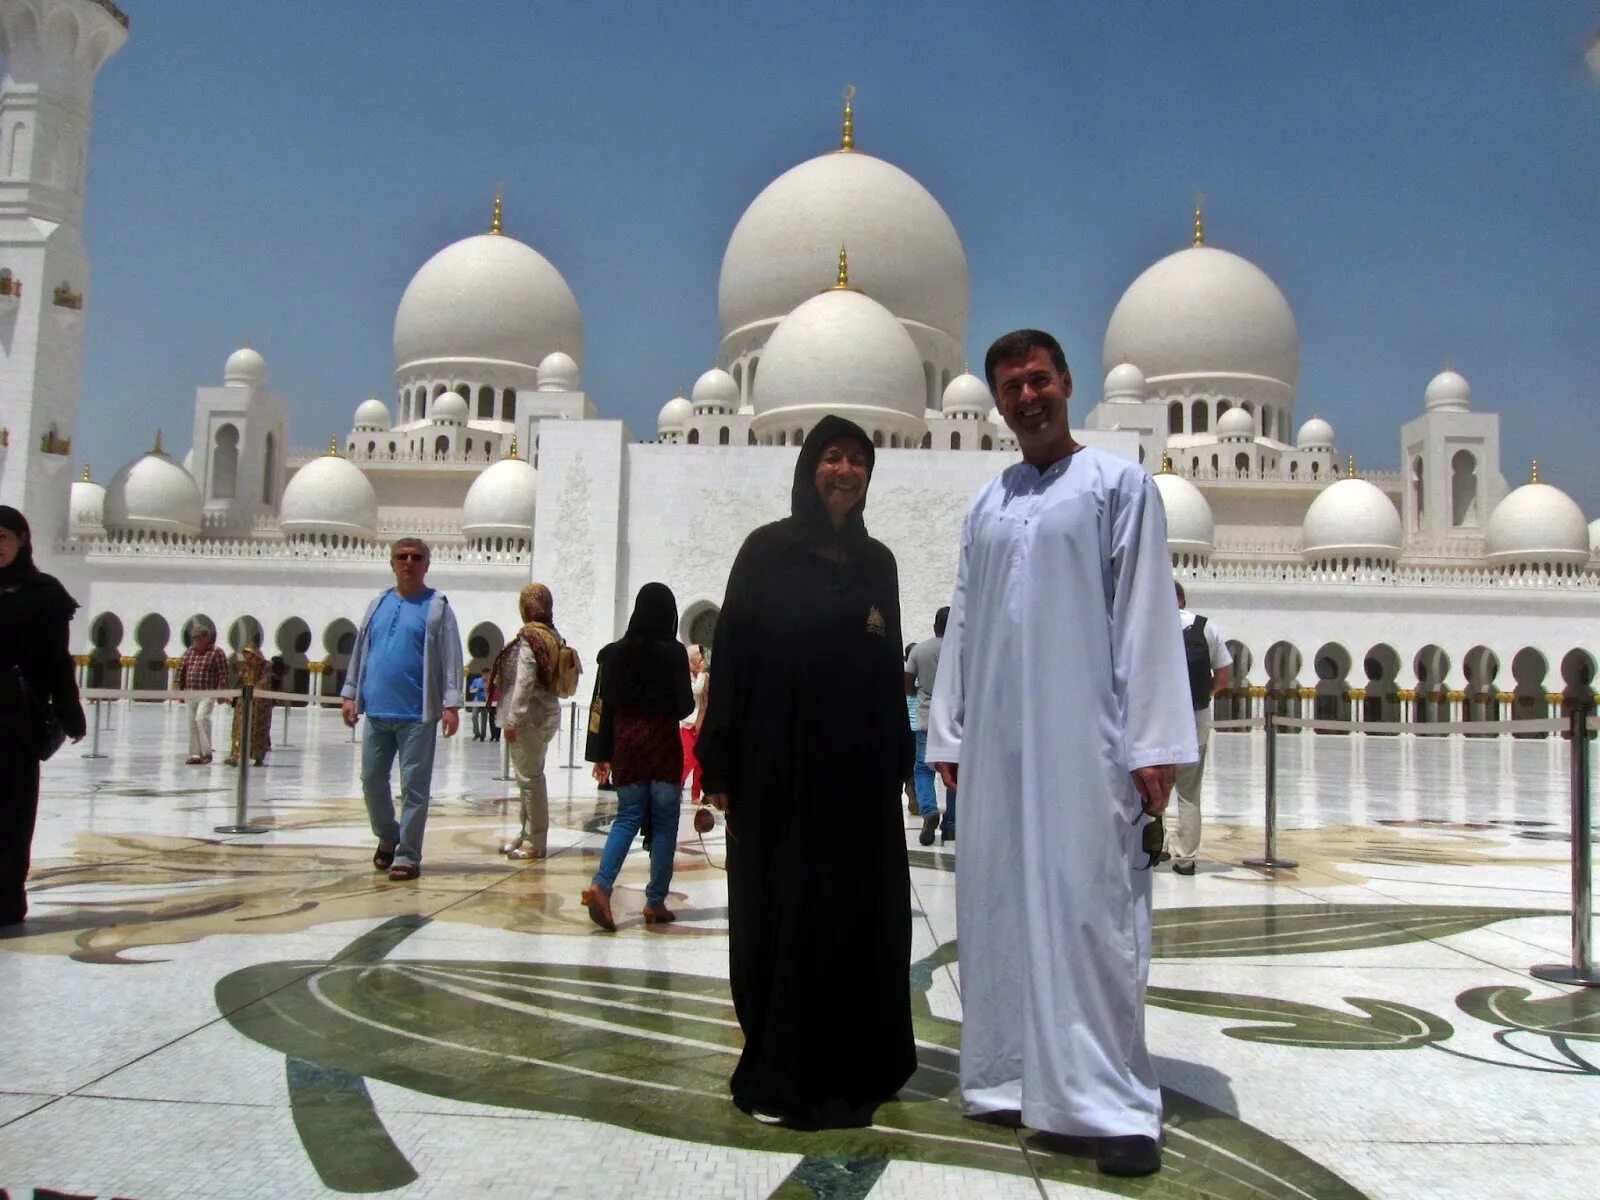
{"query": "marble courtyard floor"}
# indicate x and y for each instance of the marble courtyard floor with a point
(194, 1014)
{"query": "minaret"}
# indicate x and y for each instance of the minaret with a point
(52, 50)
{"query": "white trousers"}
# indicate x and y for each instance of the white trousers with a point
(200, 726)
(1186, 788)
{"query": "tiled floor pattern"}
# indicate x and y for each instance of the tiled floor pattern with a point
(194, 1014)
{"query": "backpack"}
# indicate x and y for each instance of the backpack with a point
(569, 669)
(1197, 654)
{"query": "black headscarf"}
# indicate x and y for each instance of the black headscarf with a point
(21, 569)
(642, 670)
(807, 513)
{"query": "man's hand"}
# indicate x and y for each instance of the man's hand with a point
(510, 731)
(452, 721)
(601, 771)
(718, 801)
(1155, 785)
(948, 773)
(347, 710)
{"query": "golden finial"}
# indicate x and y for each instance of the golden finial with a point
(333, 445)
(1200, 220)
(86, 478)
(157, 448)
(1534, 478)
(1166, 463)
(511, 451)
(847, 140)
(499, 200)
(842, 282)
(1350, 471)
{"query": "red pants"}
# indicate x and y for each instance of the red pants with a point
(691, 764)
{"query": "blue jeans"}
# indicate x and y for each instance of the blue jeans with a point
(662, 795)
(412, 742)
(924, 775)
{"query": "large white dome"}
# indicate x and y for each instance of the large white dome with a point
(1191, 529)
(1537, 523)
(1204, 311)
(904, 251)
(966, 393)
(487, 298)
(329, 495)
(1351, 518)
(449, 408)
(155, 495)
(843, 352)
(1236, 423)
(501, 501)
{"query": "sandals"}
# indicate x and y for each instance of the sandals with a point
(658, 914)
(508, 847)
(598, 902)
(383, 859)
(525, 852)
(403, 871)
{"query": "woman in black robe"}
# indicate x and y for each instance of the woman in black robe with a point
(805, 744)
(35, 682)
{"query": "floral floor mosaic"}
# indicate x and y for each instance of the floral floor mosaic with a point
(196, 1014)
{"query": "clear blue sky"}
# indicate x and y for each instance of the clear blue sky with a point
(1421, 179)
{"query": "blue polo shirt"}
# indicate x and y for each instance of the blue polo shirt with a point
(391, 685)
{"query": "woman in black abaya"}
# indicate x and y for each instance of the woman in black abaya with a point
(805, 745)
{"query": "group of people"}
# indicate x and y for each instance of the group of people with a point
(204, 667)
(1053, 694)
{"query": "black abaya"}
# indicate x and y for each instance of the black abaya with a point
(806, 732)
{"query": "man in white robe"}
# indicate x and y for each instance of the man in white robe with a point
(1062, 706)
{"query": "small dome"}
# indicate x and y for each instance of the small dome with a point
(1125, 382)
(966, 393)
(1191, 528)
(372, 414)
(1204, 311)
(558, 373)
(674, 415)
(487, 298)
(1537, 524)
(449, 407)
(244, 368)
(155, 495)
(1236, 422)
(1351, 518)
(329, 495)
(87, 506)
(1315, 434)
(842, 352)
(715, 391)
(1447, 392)
(501, 501)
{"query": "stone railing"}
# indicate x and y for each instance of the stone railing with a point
(1401, 576)
(347, 550)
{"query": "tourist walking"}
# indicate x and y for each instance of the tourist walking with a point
(922, 668)
(405, 676)
(644, 690)
(203, 668)
(38, 699)
(689, 727)
(1210, 665)
(255, 672)
(805, 746)
(532, 713)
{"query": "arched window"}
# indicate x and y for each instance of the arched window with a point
(694, 437)
(927, 441)
(1294, 470)
(371, 448)
(1464, 488)
(987, 443)
(1175, 417)
(955, 441)
(464, 391)
(485, 403)
(1417, 493)
(469, 445)
(441, 446)
(1199, 417)
(438, 390)
(750, 437)
(1316, 470)
(877, 437)
(783, 438)
(225, 463)
(722, 436)
(508, 404)
(1241, 463)
(269, 470)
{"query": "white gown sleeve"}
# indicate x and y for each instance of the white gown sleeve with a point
(947, 718)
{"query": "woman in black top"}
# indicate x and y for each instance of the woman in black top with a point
(805, 744)
(35, 678)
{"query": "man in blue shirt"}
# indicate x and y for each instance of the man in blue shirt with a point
(405, 675)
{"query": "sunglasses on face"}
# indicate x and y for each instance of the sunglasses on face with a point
(407, 556)
(1153, 840)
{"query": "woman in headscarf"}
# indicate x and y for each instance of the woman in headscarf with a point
(255, 671)
(36, 684)
(530, 717)
(644, 692)
(805, 745)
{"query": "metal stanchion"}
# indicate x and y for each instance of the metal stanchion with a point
(505, 757)
(94, 736)
(1270, 858)
(1581, 970)
(287, 705)
(572, 734)
(241, 792)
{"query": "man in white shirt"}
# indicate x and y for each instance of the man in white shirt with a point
(1210, 665)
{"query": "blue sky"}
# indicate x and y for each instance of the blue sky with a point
(1421, 179)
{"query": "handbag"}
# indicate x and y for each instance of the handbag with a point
(48, 732)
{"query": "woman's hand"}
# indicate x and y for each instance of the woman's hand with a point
(718, 801)
(601, 772)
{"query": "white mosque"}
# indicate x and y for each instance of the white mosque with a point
(1435, 590)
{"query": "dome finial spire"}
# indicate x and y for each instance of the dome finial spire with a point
(1350, 471)
(86, 478)
(1200, 219)
(842, 283)
(1166, 463)
(1534, 478)
(157, 448)
(511, 451)
(333, 445)
(499, 202)
(847, 140)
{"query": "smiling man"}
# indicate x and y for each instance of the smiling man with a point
(1060, 706)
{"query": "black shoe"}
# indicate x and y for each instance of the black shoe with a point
(1183, 868)
(1129, 1156)
(946, 836)
(929, 824)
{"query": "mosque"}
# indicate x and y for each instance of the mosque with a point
(1434, 590)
